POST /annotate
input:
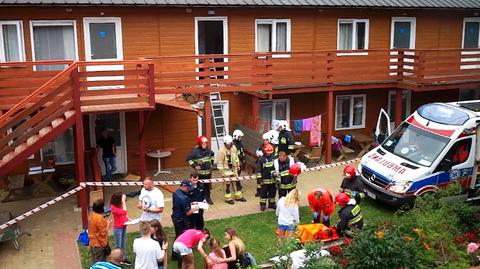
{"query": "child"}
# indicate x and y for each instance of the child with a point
(216, 254)
(288, 213)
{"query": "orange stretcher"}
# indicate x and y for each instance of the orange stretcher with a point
(316, 231)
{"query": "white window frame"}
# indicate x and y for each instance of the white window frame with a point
(413, 30)
(53, 23)
(354, 37)
(274, 112)
(351, 126)
(118, 36)
(20, 39)
(273, 38)
(465, 20)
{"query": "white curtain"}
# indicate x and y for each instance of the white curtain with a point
(343, 112)
(54, 43)
(10, 42)
(265, 114)
(281, 36)
(264, 37)
(357, 111)
(346, 30)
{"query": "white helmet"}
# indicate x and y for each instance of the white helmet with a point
(228, 139)
(237, 134)
(273, 136)
(266, 136)
(283, 124)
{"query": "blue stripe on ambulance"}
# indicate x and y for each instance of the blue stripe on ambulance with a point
(441, 178)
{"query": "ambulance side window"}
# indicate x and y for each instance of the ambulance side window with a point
(460, 151)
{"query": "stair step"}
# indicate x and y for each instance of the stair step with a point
(20, 148)
(45, 130)
(32, 139)
(57, 122)
(8, 157)
(69, 113)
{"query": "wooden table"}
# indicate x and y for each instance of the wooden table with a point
(364, 141)
(297, 149)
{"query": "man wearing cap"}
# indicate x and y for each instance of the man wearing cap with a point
(182, 207)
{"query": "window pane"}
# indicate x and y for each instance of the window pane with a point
(53, 43)
(280, 110)
(361, 35)
(61, 150)
(281, 36)
(471, 35)
(346, 36)
(401, 35)
(265, 116)
(111, 122)
(357, 111)
(103, 41)
(343, 112)
(10, 39)
(264, 37)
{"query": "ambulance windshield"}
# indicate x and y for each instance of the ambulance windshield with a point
(414, 144)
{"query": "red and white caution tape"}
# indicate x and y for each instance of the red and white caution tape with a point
(160, 182)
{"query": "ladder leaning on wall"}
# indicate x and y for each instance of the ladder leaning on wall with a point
(218, 118)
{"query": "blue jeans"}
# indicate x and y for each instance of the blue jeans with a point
(120, 239)
(110, 167)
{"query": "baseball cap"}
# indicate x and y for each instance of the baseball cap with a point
(187, 183)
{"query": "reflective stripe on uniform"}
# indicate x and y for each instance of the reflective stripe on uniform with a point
(191, 162)
(284, 173)
(357, 212)
(291, 147)
(228, 196)
(268, 164)
(288, 186)
(263, 200)
(238, 194)
(268, 181)
(204, 172)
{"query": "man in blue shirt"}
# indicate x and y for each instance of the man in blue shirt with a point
(116, 257)
(182, 207)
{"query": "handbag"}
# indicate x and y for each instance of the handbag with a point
(83, 237)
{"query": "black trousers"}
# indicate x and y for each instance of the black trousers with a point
(206, 186)
(180, 224)
(268, 193)
(196, 220)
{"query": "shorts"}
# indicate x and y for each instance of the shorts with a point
(285, 228)
(181, 249)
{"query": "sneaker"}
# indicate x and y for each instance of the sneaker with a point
(126, 262)
(241, 200)
(230, 202)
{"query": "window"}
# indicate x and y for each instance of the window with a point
(61, 150)
(272, 111)
(352, 34)
(350, 111)
(471, 32)
(272, 35)
(11, 41)
(460, 151)
(53, 40)
(406, 99)
(403, 33)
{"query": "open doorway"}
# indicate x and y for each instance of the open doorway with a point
(211, 38)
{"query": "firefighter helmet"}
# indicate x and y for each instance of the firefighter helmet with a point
(342, 199)
(202, 139)
(266, 136)
(273, 136)
(268, 148)
(237, 134)
(283, 124)
(349, 171)
(228, 139)
(295, 169)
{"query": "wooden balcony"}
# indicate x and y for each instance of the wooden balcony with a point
(133, 84)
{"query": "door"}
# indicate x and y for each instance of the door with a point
(406, 100)
(103, 42)
(383, 127)
(115, 124)
(211, 37)
(403, 37)
(201, 125)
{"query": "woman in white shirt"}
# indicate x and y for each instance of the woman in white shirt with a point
(288, 213)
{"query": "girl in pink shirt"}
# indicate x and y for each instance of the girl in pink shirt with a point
(119, 211)
(216, 254)
(186, 241)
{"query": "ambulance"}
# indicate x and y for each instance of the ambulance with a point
(437, 145)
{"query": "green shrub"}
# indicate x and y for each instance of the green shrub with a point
(314, 260)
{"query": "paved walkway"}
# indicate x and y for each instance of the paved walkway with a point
(54, 231)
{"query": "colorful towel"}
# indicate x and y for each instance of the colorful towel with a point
(297, 127)
(307, 124)
(316, 131)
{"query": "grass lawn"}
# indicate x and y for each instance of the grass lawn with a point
(257, 231)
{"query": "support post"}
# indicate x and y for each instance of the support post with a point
(141, 143)
(328, 140)
(79, 147)
(255, 113)
(398, 107)
(208, 118)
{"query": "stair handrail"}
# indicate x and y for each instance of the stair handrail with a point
(22, 103)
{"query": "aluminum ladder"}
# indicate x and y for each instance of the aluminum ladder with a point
(217, 115)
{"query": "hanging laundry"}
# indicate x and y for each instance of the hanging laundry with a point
(307, 124)
(316, 131)
(337, 144)
(297, 127)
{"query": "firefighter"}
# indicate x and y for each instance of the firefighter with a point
(322, 205)
(237, 141)
(265, 171)
(267, 137)
(228, 164)
(201, 159)
(285, 138)
(350, 214)
(351, 184)
(287, 177)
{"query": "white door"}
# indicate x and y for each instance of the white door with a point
(402, 36)
(115, 124)
(201, 126)
(103, 42)
(406, 101)
(383, 127)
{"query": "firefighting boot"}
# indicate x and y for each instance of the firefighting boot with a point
(272, 205)
(262, 207)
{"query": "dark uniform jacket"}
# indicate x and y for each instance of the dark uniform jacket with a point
(351, 216)
(197, 194)
(203, 158)
(240, 150)
(285, 142)
(265, 168)
(287, 181)
(353, 187)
